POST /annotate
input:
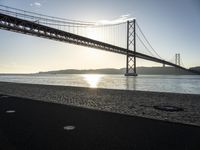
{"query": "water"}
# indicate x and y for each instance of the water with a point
(161, 83)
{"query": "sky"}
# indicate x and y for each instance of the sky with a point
(171, 26)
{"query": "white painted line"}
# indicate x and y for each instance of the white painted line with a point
(4, 96)
(10, 111)
(70, 127)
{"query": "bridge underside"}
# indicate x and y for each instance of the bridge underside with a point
(32, 28)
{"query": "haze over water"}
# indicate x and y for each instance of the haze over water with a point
(159, 83)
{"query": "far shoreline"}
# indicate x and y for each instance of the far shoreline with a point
(114, 71)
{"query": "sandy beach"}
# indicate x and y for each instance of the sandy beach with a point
(134, 103)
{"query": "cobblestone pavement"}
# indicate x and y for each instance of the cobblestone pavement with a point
(137, 103)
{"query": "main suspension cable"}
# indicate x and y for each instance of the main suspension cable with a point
(147, 41)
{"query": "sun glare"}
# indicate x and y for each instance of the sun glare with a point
(92, 79)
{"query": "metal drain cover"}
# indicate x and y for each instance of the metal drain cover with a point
(168, 108)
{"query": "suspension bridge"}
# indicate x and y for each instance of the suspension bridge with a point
(117, 37)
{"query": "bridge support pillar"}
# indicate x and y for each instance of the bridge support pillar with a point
(177, 59)
(131, 45)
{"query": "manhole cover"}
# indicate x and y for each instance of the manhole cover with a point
(168, 108)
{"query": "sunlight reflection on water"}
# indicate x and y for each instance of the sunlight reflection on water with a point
(161, 83)
(92, 79)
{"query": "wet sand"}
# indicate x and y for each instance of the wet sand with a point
(133, 103)
(27, 124)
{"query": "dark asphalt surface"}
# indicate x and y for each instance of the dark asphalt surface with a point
(34, 125)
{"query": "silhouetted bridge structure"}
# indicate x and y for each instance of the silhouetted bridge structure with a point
(82, 33)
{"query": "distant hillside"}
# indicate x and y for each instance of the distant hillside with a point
(89, 71)
(195, 68)
(140, 70)
(162, 71)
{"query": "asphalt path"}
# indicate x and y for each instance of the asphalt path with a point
(27, 124)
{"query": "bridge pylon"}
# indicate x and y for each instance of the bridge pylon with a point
(178, 59)
(131, 45)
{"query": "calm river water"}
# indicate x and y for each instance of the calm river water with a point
(161, 83)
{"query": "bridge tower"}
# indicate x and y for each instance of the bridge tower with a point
(178, 59)
(131, 45)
